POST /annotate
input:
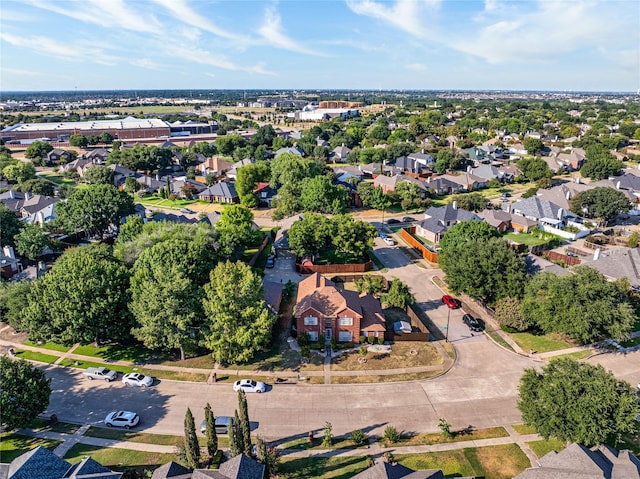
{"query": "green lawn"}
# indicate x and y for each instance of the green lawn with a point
(303, 443)
(147, 438)
(73, 363)
(524, 429)
(40, 424)
(155, 200)
(495, 462)
(542, 447)
(36, 356)
(323, 467)
(630, 342)
(498, 339)
(51, 346)
(14, 445)
(457, 436)
(578, 355)
(57, 178)
(541, 343)
(116, 352)
(525, 238)
(119, 459)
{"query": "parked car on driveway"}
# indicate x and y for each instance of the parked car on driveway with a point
(101, 373)
(389, 241)
(125, 419)
(137, 379)
(221, 425)
(271, 262)
(392, 221)
(249, 386)
(474, 324)
(451, 302)
(186, 210)
(408, 219)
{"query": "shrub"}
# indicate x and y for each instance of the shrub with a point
(304, 339)
(391, 434)
(445, 427)
(634, 239)
(363, 350)
(334, 345)
(358, 437)
(327, 439)
(305, 350)
(363, 339)
(381, 340)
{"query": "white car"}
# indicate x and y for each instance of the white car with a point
(125, 419)
(137, 379)
(389, 241)
(249, 386)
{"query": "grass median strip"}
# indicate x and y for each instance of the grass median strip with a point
(42, 425)
(36, 356)
(303, 444)
(456, 436)
(52, 346)
(387, 378)
(147, 438)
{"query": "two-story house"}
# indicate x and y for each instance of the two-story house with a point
(325, 312)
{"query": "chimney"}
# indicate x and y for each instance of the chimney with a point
(27, 196)
(428, 179)
(568, 195)
(8, 252)
(596, 255)
(560, 213)
(422, 150)
(454, 205)
(469, 169)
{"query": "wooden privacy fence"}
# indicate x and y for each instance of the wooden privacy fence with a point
(254, 258)
(568, 260)
(334, 268)
(407, 235)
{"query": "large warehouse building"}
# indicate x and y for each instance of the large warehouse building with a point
(125, 129)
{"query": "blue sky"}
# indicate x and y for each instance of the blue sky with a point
(306, 44)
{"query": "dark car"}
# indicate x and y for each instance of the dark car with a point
(271, 262)
(451, 303)
(474, 324)
(408, 219)
(392, 221)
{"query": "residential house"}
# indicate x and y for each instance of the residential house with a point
(120, 173)
(265, 193)
(385, 470)
(509, 171)
(522, 224)
(499, 219)
(616, 263)
(467, 180)
(422, 158)
(410, 165)
(179, 218)
(58, 154)
(561, 195)
(232, 172)
(373, 169)
(322, 142)
(443, 186)
(439, 219)
(215, 165)
(326, 312)
(26, 205)
(78, 166)
(213, 217)
(238, 467)
(540, 210)
(517, 149)
(9, 264)
(390, 183)
(150, 184)
(572, 160)
(348, 171)
(579, 462)
(339, 153)
(291, 150)
(488, 172)
(97, 156)
(41, 463)
(628, 183)
(273, 294)
(178, 186)
(223, 192)
(534, 134)
(554, 164)
(478, 155)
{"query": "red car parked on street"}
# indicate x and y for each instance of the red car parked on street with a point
(451, 303)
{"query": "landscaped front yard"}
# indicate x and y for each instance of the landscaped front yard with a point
(541, 343)
(314, 467)
(403, 354)
(119, 459)
(525, 238)
(13, 445)
(456, 436)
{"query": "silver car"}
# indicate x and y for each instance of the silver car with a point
(125, 419)
(137, 379)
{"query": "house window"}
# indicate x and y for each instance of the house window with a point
(310, 321)
(313, 336)
(345, 336)
(376, 334)
(346, 321)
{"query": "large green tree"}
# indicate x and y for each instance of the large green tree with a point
(600, 202)
(10, 226)
(320, 195)
(24, 393)
(235, 229)
(533, 145)
(471, 201)
(399, 295)
(31, 241)
(310, 234)
(94, 209)
(238, 322)
(578, 402)
(83, 299)
(534, 168)
(14, 297)
(38, 150)
(246, 179)
(20, 172)
(479, 263)
(353, 237)
(99, 175)
(582, 305)
(600, 163)
(191, 445)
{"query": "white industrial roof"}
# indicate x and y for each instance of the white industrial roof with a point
(124, 124)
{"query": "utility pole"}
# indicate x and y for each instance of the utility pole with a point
(446, 338)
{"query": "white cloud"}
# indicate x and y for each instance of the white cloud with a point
(113, 13)
(48, 46)
(417, 67)
(406, 15)
(271, 31)
(146, 63)
(181, 10)
(18, 71)
(543, 31)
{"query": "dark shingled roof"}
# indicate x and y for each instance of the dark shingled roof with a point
(39, 463)
(384, 470)
(171, 470)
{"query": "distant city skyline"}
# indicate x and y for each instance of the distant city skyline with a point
(569, 45)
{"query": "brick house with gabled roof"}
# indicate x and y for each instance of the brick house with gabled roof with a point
(326, 312)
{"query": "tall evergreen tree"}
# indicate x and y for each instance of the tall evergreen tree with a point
(245, 425)
(234, 447)
(238, 432)
(192, 448)
(212, 437)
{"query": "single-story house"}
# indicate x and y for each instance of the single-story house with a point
(326, 312)
(58, 154)
(348, 171)
(499, 219)
(390, 183)
(223, 192)
(539, 209)
(442, 185)
(467, 180)
(120, 173)
(149, 183)
(339, 153)
(215, 165)
(410, 165)
(265, 193)
(292, 150)
(561, 195)
(616, 263)
(373, 169)
(232, 172)
(98, 156)
(178, 186)
(439, 219)
(238, 467)
(488, 172)
(385, 470)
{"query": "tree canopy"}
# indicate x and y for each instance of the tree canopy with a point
(238, 322)
(20, 172)
(10, 226)
(99, 175)
(30, 241)
(38, 150)
(399, 295)
(600, 163)
(479, 263)
(353, 237)
(24, 392)
(235, 229)
(600, 202)
(320, 195)
(582, 305)
(471, 201)
(578, 402)
(94, 209)
(83, 299)
(534, 168)
(311, 234)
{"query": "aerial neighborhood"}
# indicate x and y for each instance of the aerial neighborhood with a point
(417, 284)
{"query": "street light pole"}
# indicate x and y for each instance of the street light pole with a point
(448, 317)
